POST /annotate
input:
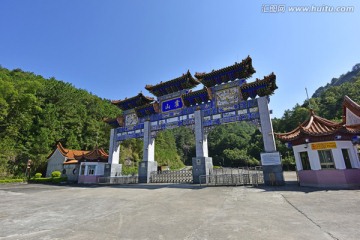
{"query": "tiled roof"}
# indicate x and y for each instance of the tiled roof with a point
(133, 102)
(115, 122)
(68, 153)
(348, 103)
(315, 126)
(230, 73)
(73, 161)
(264, 87)
(186, 81)
(197, 97)
(96, 155)
(148, 109)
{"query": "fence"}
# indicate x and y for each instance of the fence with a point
(233, 177)
(119, 180)
(182, 176)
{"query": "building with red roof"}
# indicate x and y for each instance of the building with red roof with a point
(63, 160)
(327, 152)
(77, 165)
(92, 165)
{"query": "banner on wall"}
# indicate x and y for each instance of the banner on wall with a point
(270, 158)
(323, 145)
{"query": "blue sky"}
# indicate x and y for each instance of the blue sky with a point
(114, 48)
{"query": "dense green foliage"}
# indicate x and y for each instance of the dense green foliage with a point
(35, 113)
(48, 180)
(326, 102)
(14, 180)
(235, 145)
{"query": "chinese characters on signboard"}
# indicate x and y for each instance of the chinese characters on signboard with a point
(172, 104)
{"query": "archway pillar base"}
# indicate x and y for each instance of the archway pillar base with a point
(201, 166)
(273, 175)
(112, 170)
(145, 169)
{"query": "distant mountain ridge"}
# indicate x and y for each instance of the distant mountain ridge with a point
(348, 77)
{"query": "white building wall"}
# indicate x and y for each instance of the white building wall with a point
(352, 153)
(55, 163)
(337, 155)
(100, 169)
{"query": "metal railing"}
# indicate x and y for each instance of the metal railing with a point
(119, 180)
(182, 176)
(233, 177)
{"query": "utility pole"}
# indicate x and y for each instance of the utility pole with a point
(307, 95)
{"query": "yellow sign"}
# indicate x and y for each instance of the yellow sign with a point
(323, 145)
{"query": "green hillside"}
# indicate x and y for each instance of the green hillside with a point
(36, 112)
(350, 76)
(326, 101)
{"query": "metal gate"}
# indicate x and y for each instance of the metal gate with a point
(233, 177)
(182, 176)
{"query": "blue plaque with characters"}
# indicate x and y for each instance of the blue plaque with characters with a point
(171, 105)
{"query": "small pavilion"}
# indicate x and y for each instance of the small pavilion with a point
(92, 165)
(63, 160)
(326, 152)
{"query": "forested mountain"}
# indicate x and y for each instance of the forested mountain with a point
(35, 113)
(326, 101)
(347, 77)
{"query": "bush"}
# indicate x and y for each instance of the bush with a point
(127, 170)
(38, 175)
(59, 180)
(55, 174)
(11, 181)
(48, 180)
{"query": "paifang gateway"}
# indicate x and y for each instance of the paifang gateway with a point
(226, 97)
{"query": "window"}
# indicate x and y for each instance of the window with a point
(345, 153)
(305, 160)
(326, 159)
(91, 169)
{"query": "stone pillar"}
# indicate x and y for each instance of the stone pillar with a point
(202, 164)
(148, 163)
(113, 168)
(270, 159)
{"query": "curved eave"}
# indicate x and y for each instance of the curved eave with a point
(94, 155)
(230, 73)
(264, 87)
(133, 102)
(197, 97)
(186, 81)
(148, 109)
(315, 126)
(348, 103)
(73, 161)
(115, 122)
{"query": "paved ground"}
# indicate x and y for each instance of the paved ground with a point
(174, 211)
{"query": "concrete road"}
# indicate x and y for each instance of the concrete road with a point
(173, 211)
